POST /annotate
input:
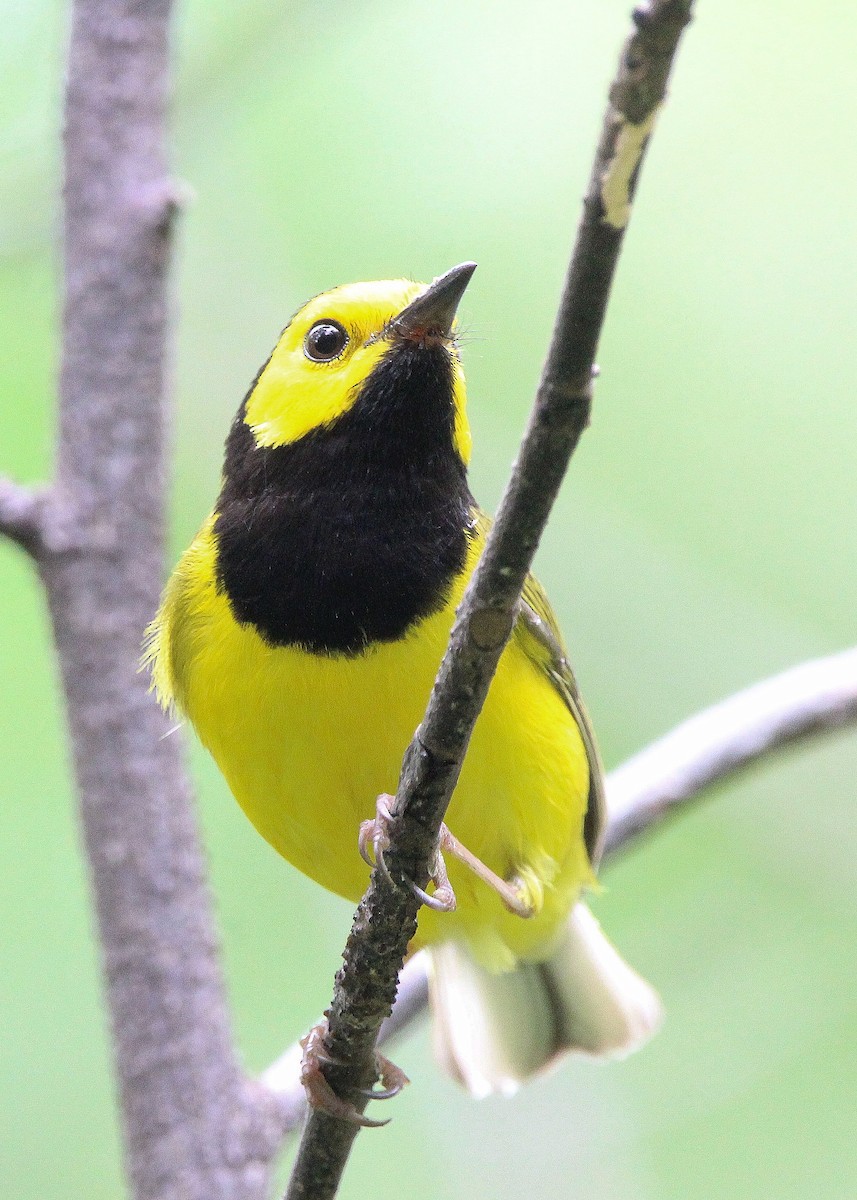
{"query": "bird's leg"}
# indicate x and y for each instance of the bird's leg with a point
(508, 892)
(374, 833)
(321, 1095)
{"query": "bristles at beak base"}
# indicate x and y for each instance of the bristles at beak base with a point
(429, 318)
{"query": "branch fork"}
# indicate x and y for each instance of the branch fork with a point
(22, 515)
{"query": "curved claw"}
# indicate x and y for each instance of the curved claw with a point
(364, 839)
(443, 897)
(374, 833)
(321, 1096)
(441, 900)
(393, 1080)
(380, 1094)
(319, 1093)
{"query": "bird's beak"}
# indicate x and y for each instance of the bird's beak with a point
(430, 316)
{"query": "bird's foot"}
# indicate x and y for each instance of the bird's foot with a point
(509, 893)
(374, 834)
(321, 1095)
(392, 1079)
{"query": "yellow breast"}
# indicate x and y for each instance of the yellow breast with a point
(306, 743)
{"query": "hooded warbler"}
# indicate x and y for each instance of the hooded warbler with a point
(301, 632)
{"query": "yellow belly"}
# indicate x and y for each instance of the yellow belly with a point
(306, 743)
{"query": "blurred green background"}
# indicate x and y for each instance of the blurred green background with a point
(701, 542)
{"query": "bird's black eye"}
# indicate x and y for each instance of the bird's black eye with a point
(325, 341)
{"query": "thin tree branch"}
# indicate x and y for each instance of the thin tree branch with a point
(282, 1078)
(385, 920)
(21, 515)
(194, 1128)
(814, 699)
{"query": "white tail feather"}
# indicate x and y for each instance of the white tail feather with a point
(492, 1032)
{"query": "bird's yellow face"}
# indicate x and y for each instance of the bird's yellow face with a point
(325, 355)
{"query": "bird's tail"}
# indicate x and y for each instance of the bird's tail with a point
(493, 1032)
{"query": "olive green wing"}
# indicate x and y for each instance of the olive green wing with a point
(538, 634)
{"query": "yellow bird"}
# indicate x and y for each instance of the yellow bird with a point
(301, 633)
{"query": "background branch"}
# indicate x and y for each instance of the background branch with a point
(813, 699)
(21, 515)
(194, 1128)
(385, 921)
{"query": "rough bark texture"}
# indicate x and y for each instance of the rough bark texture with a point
(386, 918)
(194, 1128)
